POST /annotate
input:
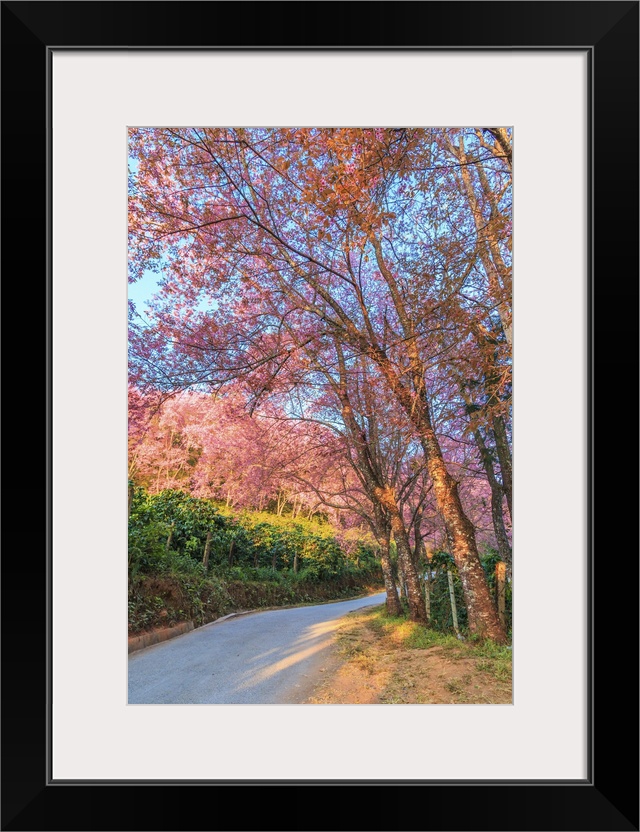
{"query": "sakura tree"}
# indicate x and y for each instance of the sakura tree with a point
(272, 242)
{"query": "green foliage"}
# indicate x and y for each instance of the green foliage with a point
(146, 547)
(252, 558)
(174, 522)
(144, 610)
(489, 559)
(441, 616)
(165, 599)
(439, 564)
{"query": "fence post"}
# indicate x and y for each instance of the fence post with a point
(427, 593)
(452, 596)
(501, 571)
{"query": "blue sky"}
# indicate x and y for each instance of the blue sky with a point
(142, 291)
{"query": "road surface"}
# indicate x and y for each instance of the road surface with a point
(272, 657)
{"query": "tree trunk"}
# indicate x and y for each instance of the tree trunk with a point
(295, 562)
(402, 584)
(231, 548)
(482, 614)
(504, 458)
(483, 617)
(415, 598)
(393, 602)
(383, 496)
(207, 550)
(170, 537)
(504, 547)
(497, 496)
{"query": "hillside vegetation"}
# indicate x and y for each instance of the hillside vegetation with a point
(191, 559)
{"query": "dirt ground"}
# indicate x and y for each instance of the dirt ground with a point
(380, 661)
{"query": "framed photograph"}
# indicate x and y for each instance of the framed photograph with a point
(564, 78)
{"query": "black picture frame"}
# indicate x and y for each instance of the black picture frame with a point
(608, 798)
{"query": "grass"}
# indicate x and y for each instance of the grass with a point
(493, 659)
(392, 661)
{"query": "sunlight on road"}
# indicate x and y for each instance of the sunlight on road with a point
(315, 633)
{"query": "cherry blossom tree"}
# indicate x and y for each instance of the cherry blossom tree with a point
(368, 238)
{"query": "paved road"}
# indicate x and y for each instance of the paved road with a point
(264, 658)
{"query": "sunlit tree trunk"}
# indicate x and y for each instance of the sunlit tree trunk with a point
(392, 602)
(384, 495)
(482, 615)
(415, 598)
